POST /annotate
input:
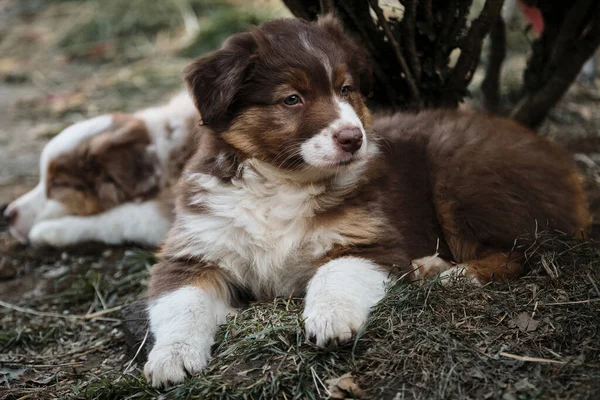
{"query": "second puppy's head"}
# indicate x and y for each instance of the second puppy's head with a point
(290, 93)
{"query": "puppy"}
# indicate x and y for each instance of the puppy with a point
(295, 189)
(108, 179)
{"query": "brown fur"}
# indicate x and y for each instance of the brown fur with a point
(106, 170)
(462, 185)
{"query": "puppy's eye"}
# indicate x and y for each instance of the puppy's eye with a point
(292, 100)
(346, 90)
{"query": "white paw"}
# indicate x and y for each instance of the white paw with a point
(170, 363)
(329, 320)
(53, 233)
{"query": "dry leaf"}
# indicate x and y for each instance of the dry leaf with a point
(343, 387)
(524, 322)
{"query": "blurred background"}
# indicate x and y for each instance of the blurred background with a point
(62, 61)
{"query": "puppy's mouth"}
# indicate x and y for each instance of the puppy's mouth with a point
(334, 161)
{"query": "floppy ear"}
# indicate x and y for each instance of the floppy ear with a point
(214, 80)
(127, 167)
(360, 63)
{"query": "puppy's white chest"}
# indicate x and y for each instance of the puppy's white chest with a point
(262, 232)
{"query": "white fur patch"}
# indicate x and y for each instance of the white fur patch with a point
(339, 298)
(184, 323)
(322, 151)
(318, 53)
(258, 226)
(142, 223)
(168, 125)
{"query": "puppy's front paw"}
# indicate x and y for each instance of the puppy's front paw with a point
(53, 233)
(329, 320)
(170, 363)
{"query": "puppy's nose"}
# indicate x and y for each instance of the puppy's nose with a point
(349, 139)
(10, 214)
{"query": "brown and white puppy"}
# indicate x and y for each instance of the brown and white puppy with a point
(108, 179)
(294, 189)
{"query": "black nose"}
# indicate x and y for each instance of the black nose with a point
(349, 139)
(10, 214)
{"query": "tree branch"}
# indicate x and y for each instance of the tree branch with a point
(534, 107)
(471, 44)
(396, 47)
(490, 87)
(368, 42)
(409, 21)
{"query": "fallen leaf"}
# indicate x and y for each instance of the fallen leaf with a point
(524, 322)
(343, 387)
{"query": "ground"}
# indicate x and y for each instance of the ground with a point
(61, 321)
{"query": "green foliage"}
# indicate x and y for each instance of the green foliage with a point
(116, 28)
(219, 25)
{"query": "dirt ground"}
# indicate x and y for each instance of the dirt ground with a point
(61, 326)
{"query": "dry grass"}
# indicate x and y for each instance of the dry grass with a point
(535, 338)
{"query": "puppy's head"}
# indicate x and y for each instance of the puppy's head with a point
(289, 93)
(90, 167)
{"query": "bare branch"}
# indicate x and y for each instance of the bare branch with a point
(534, 107)
(359, 25)
(490, 87)
(409, 21)
(471, 45)
(390, 36)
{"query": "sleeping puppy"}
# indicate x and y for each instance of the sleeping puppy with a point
(296, 189)
(108, 179)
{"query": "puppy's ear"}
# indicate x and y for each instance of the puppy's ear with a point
(214, 80)
(359, 62)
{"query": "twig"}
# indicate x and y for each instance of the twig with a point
(530, 359)
(96, 315)
(571, 302)
(138, 351)
(390, 35)
(100, 297)
(593, 282)
(75, 364)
